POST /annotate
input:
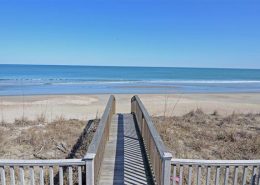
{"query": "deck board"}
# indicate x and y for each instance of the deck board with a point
(124, 159)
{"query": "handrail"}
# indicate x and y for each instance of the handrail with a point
(92, 160)
(160, 158)
(216, 162)
(49, 162)
(95, 153)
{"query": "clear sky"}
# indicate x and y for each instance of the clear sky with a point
(186, 33)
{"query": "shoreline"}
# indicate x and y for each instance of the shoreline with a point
(90, 106)
(98, 94)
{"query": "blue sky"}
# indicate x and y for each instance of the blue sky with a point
(183, 33)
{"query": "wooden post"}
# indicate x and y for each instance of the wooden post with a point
(79, 175)
(90, 171)
(51, 175)
(12, 175)
(133, 105)
(2, 171)
(21, 171)
(60, 175)
(114, 106)
(166, 168)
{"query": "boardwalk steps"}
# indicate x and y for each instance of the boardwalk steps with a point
(124, 158)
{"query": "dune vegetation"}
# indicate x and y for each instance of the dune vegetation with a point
(38, 139)
(211, 136)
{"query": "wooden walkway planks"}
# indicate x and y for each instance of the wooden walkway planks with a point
(124, 159)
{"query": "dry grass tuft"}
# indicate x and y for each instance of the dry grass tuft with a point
(23, 122)
(37, 139)
(1, 134)
(211, 136)
(41, 119)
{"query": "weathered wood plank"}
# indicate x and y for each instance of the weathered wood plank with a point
(31, 171)
(123, 158)
(215, 162)
(79, 175)
(51, 175)
(41, 175)
(21, 174)
(12, 175)
(60, 175)
(2, 172)
(70, 176)
(60, 162)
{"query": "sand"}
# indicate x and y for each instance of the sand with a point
(86, 107)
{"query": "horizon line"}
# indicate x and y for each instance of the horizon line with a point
(81, 65)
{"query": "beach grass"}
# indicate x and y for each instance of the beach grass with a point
(198, 135)
(38, 139)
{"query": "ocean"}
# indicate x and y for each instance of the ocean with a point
(54, 79)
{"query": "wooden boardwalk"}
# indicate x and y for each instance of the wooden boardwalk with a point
(116, 155)
(124, 160)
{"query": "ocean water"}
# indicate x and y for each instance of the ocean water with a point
(44, 79)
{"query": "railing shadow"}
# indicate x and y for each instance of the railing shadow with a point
(148, 172)
(119, 158)
(137, 170)
(131, 164)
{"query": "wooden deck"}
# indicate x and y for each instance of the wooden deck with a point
(124, 160)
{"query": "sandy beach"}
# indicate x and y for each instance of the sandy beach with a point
(86, 107)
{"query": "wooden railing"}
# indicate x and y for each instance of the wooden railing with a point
(159, 158)
(187, 171)
(67, 171)
(95, 153)
(62, 171)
